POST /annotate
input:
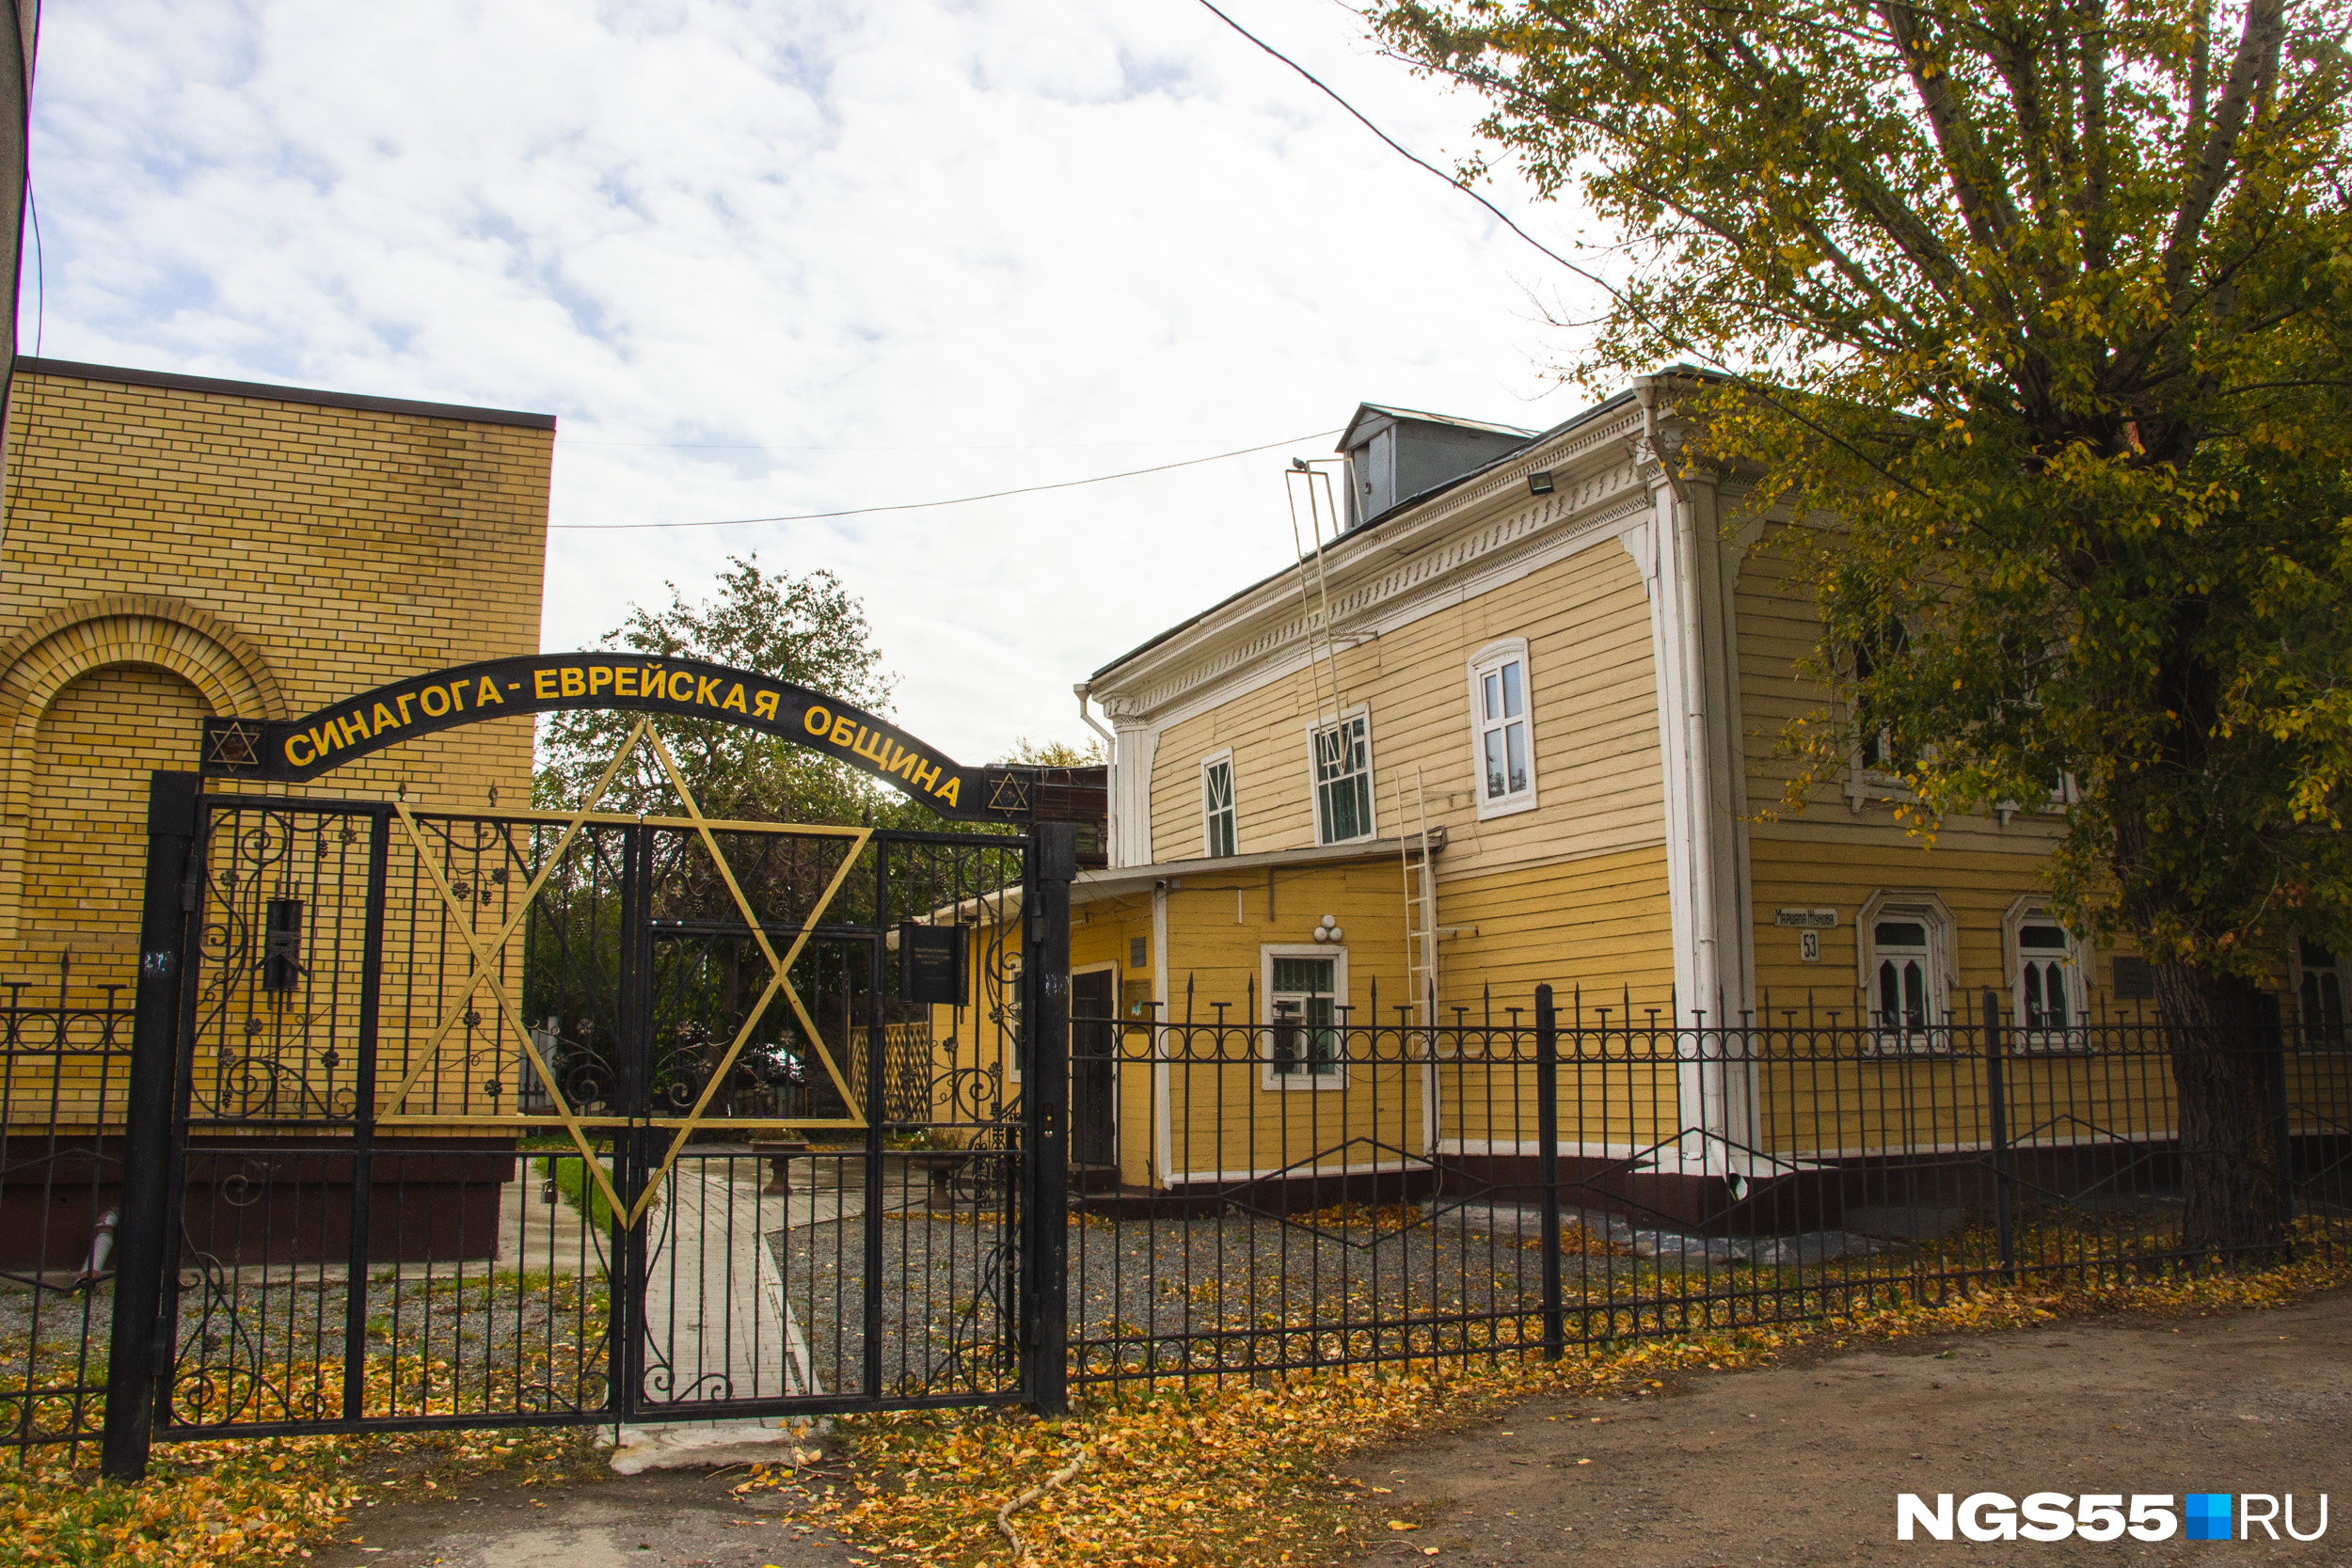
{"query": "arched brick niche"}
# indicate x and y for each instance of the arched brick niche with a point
(94, 696)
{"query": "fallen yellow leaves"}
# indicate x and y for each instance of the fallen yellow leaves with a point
(1245, 1471)
(231, 1504)
(1241, 1472)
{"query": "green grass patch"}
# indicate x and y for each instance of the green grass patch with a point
(579, 1189)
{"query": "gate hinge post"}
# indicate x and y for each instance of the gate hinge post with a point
(136, 1349)
(1045, 1218)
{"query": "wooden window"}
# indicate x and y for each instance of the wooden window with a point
(1343, 774)
(2319, 987)
(1502, 729)
(2049, 995)
(1872, 655)
(1306, 1002)
(1904, 942)
(1216, 805)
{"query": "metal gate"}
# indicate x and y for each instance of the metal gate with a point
(471, 1118)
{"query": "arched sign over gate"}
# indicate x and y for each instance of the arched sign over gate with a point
(696, 1059)
(299, 750)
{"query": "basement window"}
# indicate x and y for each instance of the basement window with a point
(1905, 947)
(2049, 998)
(1306, 999)
(2319, 987)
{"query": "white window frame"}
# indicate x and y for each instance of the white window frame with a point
(1286, 1082)
(1866, 782)
(1490, 660)
(1923, 908)
(1208, 814)
(2310, 1032)
(1360, 712)
(2031, 910)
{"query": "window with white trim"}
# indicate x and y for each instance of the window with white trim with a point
(1900, 960)
(1217, 834)
(2047, 995)
(1306, 1002)
(2320, 983)
(1343, 774)
(1875, 735)
(1904, 946)
(1502, 734)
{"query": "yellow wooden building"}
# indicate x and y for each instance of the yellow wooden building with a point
(1561, 666)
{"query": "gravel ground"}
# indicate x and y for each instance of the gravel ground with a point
(469, 1340)
(1172, 1294)
(942, 1330)
(1159, 1295)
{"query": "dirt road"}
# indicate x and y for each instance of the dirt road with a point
(1801, 1464)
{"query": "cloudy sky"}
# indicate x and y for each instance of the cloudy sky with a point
(794, 256)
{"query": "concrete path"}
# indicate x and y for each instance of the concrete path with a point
(671, 1519)
(539, 1233)
(715, 1322)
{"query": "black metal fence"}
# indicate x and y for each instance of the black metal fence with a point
(1297, 1185)
(65, 1056)
(1305, 1186)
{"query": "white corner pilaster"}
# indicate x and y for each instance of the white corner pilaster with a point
(1131, 787)
(1690, 572)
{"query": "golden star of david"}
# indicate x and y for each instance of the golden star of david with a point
(487, 973)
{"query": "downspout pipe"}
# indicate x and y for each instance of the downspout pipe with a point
(1110, 746)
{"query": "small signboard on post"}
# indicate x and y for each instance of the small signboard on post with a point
(930, 964)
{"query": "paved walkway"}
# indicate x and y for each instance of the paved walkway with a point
(538, 1232)
(675, 1519)
(716, 1325)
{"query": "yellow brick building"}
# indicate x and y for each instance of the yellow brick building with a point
(178, 547)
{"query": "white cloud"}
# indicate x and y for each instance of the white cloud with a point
(777, 258)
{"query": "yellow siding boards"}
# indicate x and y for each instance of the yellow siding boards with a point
(1593, 691)
(1778, 630)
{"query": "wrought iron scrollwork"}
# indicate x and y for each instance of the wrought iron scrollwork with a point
(267, 1022)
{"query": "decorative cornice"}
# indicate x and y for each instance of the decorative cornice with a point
(1474, 531)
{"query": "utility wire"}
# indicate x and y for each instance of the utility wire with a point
(1754, 388)
(1409, 155)
(953, 501)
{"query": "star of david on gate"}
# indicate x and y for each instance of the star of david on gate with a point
(486, 971)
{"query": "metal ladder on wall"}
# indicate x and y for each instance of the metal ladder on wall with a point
(1315, 591)
(1421, 899)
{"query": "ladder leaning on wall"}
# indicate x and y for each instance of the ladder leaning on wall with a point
(1421, 899)
(1315, 591)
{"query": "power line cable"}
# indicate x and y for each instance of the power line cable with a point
(1761, 391)
(1409, 155)
(953, 501)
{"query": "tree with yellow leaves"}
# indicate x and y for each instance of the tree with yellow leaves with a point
(2035, 317)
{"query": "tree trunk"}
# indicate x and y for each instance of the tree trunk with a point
(2222, 1032)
